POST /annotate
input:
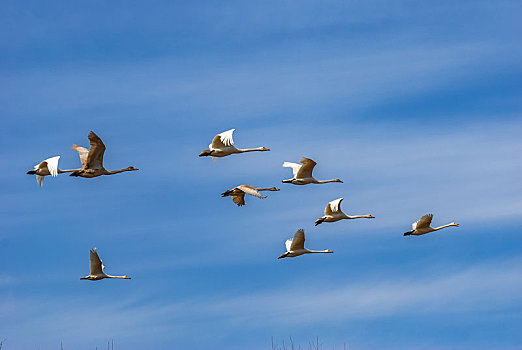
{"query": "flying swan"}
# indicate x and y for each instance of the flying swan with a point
(303, 173)
(47, 167)
(422, 226)
(238, 193)
(97, 269)
(223, 145)
(333, 213)
(92, 159)
(295, 246)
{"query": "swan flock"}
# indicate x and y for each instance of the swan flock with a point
(222, 145)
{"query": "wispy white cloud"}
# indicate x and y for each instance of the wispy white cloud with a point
(490, 287)
(257, 86)
(479, 288)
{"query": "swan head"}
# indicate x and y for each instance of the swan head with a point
(131, 168)
(329, 251)
(126, 277)
(274, 189)
(227, 193)
(264, 149)
(338, 180)
(455, 224)
(371, 217)
(206, 153)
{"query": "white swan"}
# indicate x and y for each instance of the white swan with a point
(303, 173)
(97, 268)
(47, 167)
(238, 193)
(295, 246)
(223, 145)
(333, 213)
(422, 226)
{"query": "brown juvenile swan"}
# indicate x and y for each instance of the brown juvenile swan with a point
(238, 193)
(92, 159)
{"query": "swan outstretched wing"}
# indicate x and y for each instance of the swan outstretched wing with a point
(424, 221)
(223, 140)
(96, 263)
(82, 152)
(239, 199)
(250, 190)
(295, 167)
(288, 244)
(333, 207)
(95, 156)
(305, 171)
(298, 241)
(51, 164)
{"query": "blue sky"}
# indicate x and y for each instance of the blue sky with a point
(416, 106)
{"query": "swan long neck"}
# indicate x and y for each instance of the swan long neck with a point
(444, 226)
(60, 171)
(358, 216)
(122, 277)
(109, 172)
(258, 149)
(319, 251)
(327, 181)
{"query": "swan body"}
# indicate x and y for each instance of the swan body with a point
(46, 168)
(92, 159)
(422, 226)
(303, 173)
(223, 145)
(333, 213)
(295, 246)
(238, 193)
(97, 268)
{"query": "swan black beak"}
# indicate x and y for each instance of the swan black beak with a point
(206, 153)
